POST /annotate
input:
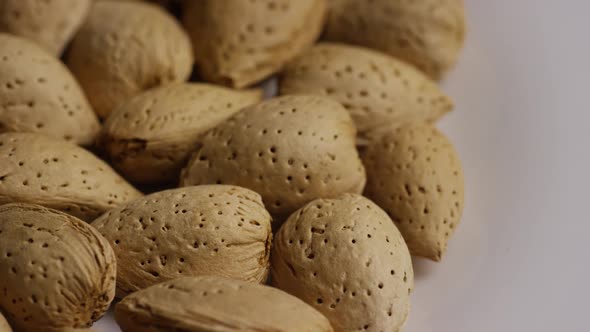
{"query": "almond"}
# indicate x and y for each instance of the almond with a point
(150, 138)
(216, 304)
(39, 94)
(346, 258)
(49, 23)
(59, 175)
(290, 150)
(204, 230)
(126, 47)
(56, 271)
(415, 175)
(238, 43)
(428, 33)
(377, 90)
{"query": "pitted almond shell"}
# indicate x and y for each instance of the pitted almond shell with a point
(345, 257)
(204, 230)
(56, 271)
(217, 304)
(150, 137)
(60, 175)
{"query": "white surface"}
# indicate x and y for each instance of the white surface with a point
(520, 259)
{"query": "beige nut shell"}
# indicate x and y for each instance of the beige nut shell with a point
(149, 138)
(427, 33)
(203, 230)
(39, 94)
(377, 90)
(415, 175)
(126, 47)
(56, 271)
(208, 304)
(51, 24)
(4, 327)
(60, 175)
(346, 258)
(238, 43)
(290, 150)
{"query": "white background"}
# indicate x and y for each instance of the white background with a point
(520, 260)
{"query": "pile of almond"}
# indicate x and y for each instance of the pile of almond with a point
(140, 160)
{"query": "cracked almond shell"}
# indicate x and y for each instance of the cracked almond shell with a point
(60, 175)
(345, 257)
(56, 271)
(238, 43)
(51, 24)
(377, 90)
(290, 150)
(149, 138)
(207, 304)
(427, 33)
(415, 175)
(203, 230)
(39, 94)
(126, 47)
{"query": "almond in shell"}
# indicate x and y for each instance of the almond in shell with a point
(150, 137)
(126, 47)
(415, 175)
(203, 230)
(238, 43)
(427, 33)
(49, 23)
(346, 258)
(60, 175)
(290, 150)
(56, 271)
(39, 94)
(198, 304)
(378, 90)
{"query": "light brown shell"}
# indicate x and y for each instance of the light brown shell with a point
(415, 175)
(39, 94)
(238, 43)
(55, 270)
(200, 304)
(290, 150)
(51, 24)
(59, 175)
(347, 259)
(4, 327)
(376, 89)
(204, 230)
(150, 138)
(126, 47)
(427, 33)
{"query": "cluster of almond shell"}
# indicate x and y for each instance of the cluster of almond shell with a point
(236, 191)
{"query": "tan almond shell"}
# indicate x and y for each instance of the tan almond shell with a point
(238, 43)
(377, 90)
(39, 94)
(126, 47)
(203, 230)
(290, 150)
(415, 175)
(149, 138)
(51, 24)
(56, 271)
(428, 33)
(207, 304)
(60, 175)
(4, 327)
(346, 258)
